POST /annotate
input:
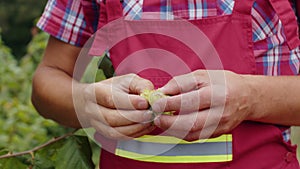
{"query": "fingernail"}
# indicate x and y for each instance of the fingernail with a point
(161, 89)
(155, 107)
(148, 116)
(143, 104)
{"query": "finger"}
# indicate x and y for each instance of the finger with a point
(135, 130)
(186, 102)
(118, 99)
(114, 118)
(129, 101)
(144, 132)
(206, 133)
(123, 132)
(221, 126)
(176, 122)
(117, 118)
(171, 88)
(138, 85)
(203, 134)
(190, 122)
(186, 83)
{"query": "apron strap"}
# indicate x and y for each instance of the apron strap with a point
(243, 6)
(285, 13)
(91, 8)
(114, 9)
(102, 20)
(287, 16)
(110, 10)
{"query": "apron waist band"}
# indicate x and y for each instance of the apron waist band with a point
(168, 149)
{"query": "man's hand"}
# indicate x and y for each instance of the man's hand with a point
(210, 103)
(114, 108)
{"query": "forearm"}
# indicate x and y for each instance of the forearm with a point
(275, 99)
(52, 83)
(52, 96)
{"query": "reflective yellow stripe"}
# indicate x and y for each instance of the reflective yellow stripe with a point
(173, 159)
(174, 140)
(168, 149)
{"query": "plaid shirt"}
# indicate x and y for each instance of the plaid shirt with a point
(65, 20)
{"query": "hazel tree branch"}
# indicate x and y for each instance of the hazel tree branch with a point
(9, 155)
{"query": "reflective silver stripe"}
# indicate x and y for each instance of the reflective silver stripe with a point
(195, 149)
(168, 149)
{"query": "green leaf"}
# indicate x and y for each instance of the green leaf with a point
(3, 151)
(75, 153)
(45, 158)
(10, 163)
(43, 162)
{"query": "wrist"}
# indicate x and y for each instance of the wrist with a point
(254, 97)
(81, 95)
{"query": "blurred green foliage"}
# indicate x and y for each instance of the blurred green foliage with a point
(21, 124)
(17, 18)
(22, 128)
(296, 138)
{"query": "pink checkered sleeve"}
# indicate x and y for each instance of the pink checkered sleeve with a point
(64, 19)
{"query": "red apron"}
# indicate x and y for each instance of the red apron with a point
(254, 145)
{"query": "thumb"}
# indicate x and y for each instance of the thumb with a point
(171, 88)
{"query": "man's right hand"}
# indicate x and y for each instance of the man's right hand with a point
(114, 108)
